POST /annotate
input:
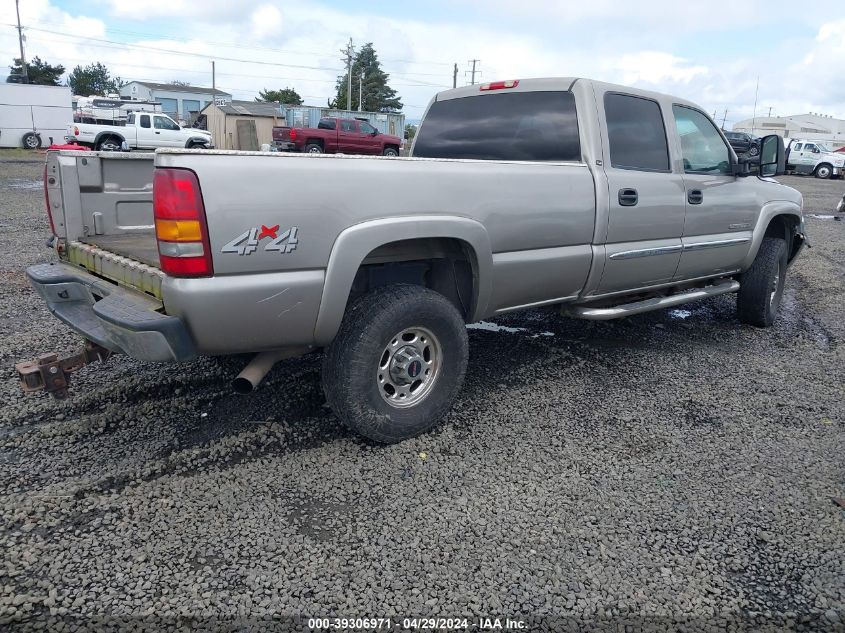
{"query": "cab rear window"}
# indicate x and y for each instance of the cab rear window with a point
(523, 126)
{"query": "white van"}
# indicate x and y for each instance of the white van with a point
(31, 115)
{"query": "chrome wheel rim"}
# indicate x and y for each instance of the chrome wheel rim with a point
(824, 172)
(408, 367)
(314, 150)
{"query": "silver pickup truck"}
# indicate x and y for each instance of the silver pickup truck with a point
(601, 200)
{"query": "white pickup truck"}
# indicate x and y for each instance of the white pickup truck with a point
(813, 157)
(141, 131)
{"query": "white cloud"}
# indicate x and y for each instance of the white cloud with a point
(656, 45)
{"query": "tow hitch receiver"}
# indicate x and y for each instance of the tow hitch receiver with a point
(51, 374)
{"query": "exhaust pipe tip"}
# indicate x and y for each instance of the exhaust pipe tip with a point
(242, 386)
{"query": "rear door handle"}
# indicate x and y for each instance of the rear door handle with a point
(694, 196)
(628, 197)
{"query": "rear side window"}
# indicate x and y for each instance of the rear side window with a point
(530, 126)
(326, 124)
(347, 126)
(636, 133)
(145, 120)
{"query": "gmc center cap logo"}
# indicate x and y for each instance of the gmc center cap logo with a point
(247, 242)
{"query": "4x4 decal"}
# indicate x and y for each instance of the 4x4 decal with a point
(247, 242)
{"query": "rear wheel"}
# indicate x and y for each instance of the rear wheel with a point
(313, 148)
(823, 171)
(761, 286)
(31, 140)
(753, 150)
(397, 362)
(108, 144)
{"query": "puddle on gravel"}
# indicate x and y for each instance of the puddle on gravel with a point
(19, 183)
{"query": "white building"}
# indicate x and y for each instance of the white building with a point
(818, 127)
(180, 102)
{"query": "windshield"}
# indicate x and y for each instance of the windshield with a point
(823, 147)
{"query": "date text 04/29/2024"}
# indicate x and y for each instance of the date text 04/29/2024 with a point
(453, 624)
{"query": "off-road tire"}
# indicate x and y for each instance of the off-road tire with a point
(823, 171)
(313, 148)
(31, 140)
(761, 286)
(351, 363)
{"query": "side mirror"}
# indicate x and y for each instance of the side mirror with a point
(772, 157)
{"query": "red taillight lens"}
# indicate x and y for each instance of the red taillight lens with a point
(293, 134)
(500, 85)
(47, 202)
(177, 202)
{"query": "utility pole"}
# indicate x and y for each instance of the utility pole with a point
(770, 111)
(724, 116)
(348, 52)
(473, 71)
(20, 42)
(360, 92)
(213, 76)
(754, 118)
(455, 77)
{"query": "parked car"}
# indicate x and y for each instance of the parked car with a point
(541, 192)
(813, 157)
(336, 135)
(743, 143)
(143, 130)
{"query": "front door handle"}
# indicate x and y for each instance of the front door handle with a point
(158, 132)
(628, 197)
(694, 196)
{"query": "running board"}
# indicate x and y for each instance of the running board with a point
(647, 305)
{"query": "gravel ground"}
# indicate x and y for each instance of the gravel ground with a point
(670, 470)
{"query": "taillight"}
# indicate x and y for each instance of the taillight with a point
(499, 85)
(47, 201)
(181, 229)
(293, 134)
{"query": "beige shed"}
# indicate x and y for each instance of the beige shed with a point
(243, 125)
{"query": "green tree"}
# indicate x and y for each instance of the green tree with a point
(378, 96)
(288, 96)
(39, 72)
(410, 131)
(94, 79)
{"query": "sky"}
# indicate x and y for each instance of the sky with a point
(710, 53)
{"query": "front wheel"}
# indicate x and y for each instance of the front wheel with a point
(753, 150)
(390, 151)
(31, 140)
(823, 171)
(397, 362)
(761, 286)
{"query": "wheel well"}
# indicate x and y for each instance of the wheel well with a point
(314, 141)
(445, 265)
(785, 227)
(106, 135)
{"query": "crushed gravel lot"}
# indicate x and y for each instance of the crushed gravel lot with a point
(672, 469)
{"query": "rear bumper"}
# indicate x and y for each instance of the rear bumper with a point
(284, 146)
(109, 315)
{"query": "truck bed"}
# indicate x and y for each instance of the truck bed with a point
(138, 245)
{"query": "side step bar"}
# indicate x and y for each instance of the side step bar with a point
(647, 305)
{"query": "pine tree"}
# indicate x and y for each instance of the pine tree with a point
(39, 72)
(378, 96)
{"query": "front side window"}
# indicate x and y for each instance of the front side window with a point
(347, 126)
(366, 128)
(636, 133)
(163, 123)
(518, 126)
(145, 120)
(703, 149)
(809, 147)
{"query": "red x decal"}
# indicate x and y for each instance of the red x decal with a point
(268, 231)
